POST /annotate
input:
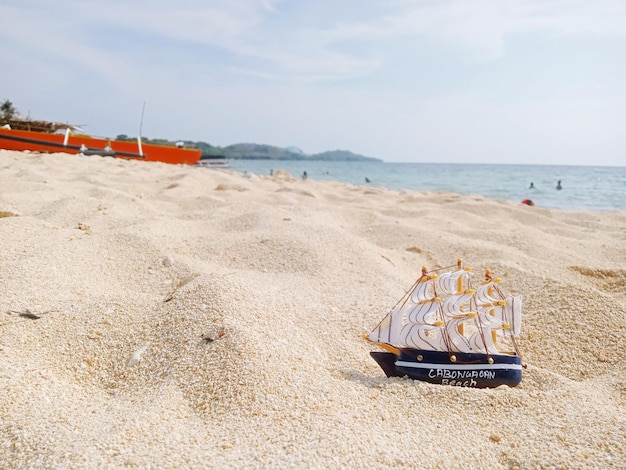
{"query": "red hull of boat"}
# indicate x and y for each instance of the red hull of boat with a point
(49, 143)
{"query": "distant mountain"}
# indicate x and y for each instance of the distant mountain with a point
(261, 152)
(294, 149)
(340, 155)
(270, 152)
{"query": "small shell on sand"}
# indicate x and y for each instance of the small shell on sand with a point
(136, 357)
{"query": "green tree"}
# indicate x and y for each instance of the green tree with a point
(8, 110)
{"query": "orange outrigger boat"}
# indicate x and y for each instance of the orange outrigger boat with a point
(26, 140)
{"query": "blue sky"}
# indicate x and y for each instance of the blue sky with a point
(482, 81)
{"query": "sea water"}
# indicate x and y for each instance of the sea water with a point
(592, 188)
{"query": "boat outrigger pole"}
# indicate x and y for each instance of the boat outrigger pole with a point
(143, 108)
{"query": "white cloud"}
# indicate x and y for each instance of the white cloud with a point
(250, 32)
(481, 27)
(437, 76)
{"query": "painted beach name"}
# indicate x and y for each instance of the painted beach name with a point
(455, 377)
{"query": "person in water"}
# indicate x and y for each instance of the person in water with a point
(558, 185)
(532, 186)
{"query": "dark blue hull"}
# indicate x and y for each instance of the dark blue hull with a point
(467, 370)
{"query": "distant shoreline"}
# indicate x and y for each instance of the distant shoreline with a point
(294, 159)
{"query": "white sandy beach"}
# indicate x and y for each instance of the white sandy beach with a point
(194, 318)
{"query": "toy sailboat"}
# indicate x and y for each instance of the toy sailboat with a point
(444, 332)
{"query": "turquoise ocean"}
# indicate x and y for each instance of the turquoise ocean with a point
(590, 188)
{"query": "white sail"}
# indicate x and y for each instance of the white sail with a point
(491, 317)
(457, 340)
(513, 313)
(448, 283)
(382, 332)
(486, 293)
(423, 337)
(388, 330)
(483, 343)
(507, 312)
(422, 291)
(457, 305)
(424, 313)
